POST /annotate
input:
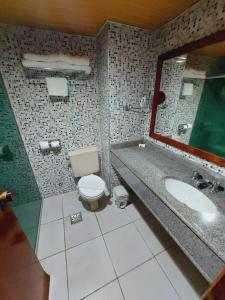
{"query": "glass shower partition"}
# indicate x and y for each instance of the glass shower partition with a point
(16, 173)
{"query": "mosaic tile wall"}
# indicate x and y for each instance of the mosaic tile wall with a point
(177, 109)
(126, 66)
(130, 65)
(128, 59)
(202, 19)
(187, 108)
(102, 42)
(171, 82)
(75, 122)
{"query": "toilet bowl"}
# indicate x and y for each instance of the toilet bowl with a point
(91, 188)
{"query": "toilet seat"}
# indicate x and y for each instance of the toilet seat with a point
(91, 187)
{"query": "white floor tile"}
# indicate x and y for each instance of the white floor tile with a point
(51, 209)
(127, 248)
(112, 217)
(137, 210)
(147, 282)
(89, 268)
(186, 279)
(154, 234)
(83, 231)
(51, 239)
(55, 266)
(109, 292)
(71, 203)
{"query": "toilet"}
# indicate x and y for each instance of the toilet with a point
(85, 163)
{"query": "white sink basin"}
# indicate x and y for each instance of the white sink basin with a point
(190, 196)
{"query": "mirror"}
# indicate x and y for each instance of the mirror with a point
(189, 101)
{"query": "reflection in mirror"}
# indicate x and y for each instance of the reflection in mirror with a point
(193, 112)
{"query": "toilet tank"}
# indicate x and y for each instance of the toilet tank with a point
(84, 161)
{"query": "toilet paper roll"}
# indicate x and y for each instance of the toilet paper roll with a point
(44, 145)
(55, 144)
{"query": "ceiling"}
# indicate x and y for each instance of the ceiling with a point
(87, 16)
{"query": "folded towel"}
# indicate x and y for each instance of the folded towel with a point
(55, 66)
(74, 60)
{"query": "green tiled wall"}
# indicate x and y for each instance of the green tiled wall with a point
(208, 131)
(15, 171)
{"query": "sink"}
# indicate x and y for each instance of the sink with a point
(190, 196)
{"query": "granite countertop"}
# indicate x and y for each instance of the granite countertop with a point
(153, 164)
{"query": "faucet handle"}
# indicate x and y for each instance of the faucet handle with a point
(216, 187)
(196, 175)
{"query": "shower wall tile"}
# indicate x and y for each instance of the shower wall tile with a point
(74, 121)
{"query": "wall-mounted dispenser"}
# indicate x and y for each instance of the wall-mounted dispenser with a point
(188, 89)
(57, 86)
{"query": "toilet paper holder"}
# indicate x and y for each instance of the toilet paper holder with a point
(53, 145)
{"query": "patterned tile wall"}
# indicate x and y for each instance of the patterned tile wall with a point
(202, 19)
(126, 66)
(75, 122)
(187, 108)
(177, 109)
(102, 42)
(171, 82)
(129, 64)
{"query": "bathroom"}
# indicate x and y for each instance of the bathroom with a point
(94, 157)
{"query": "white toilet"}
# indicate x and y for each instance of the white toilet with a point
(84, 163)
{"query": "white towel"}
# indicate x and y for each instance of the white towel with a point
(80, 60)
(55, 66)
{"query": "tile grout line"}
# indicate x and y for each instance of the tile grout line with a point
(98, 289)
(153, 255)
(67, 280)
(168, 279)
(110, 257)
(41, 259)
(39, 228)
(51, 221)
(143, 237)
(117, 276)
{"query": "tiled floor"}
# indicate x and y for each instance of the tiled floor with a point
(112, 254)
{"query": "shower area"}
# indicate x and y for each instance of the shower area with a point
(208, 130)
(16, 174)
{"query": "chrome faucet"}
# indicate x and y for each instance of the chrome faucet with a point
(196, 175)
(202, 183)
(216, 187)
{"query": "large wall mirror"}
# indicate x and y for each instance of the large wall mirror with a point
(189, 100)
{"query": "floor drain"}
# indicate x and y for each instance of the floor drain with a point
(75, 218)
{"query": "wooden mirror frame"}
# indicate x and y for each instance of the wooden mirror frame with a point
(206, 41)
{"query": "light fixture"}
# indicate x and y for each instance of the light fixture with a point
(181, 59)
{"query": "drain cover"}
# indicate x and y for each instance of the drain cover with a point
(75, 218)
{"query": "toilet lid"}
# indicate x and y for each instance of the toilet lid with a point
(91, 186)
